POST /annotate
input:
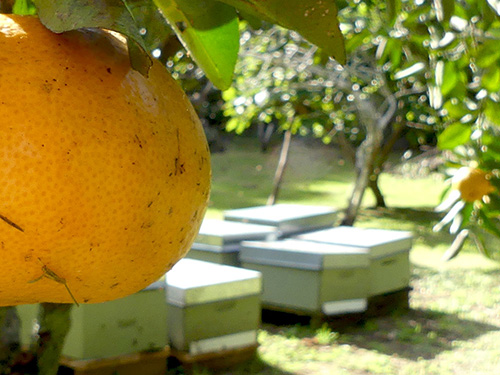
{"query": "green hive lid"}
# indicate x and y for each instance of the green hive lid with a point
(225, 235)
(287, 218)
(309, 255)
(192, 282)
(381, 242)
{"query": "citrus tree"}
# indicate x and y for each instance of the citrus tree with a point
(448, 48)
(462, 39)
(104, 162)
(365, 106)
(425, 70)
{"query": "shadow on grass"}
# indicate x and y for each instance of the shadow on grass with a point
(416, 334)
(250, 367)
(418, 220)
(231, 195)
(255, 366)
(396, 329)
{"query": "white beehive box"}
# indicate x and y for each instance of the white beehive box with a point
(307, 277)
(218, 241)
(212, 307)
(287, 218)
(389, 252)
(132, 324)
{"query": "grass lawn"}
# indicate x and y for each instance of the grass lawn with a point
(453, 326)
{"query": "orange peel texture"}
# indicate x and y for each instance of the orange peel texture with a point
(104, 173)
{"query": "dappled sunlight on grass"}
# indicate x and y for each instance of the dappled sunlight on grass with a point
(453, 325)
(316, 174)
(404, 191)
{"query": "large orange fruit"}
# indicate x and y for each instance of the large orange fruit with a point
(104, 174)
(472, 183)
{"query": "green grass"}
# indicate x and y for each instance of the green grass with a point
(316, 174)
(453, 326)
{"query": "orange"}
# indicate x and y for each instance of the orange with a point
(472, 183)
(104, 173)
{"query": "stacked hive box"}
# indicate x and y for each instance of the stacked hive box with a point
(218, 241)
(312, 278)
(212, 307)
(388, 251)
(119, 329)
(286, 218)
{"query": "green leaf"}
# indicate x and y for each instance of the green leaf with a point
(487, 53)
(354, 41)
(491, 150)
(494, 204)
(315, 20)
(495, 4)
(253, 21)
(114, 15)
(456, 109)
(479, 242)
(392, 9)
(488, 224)
(450, 78)
(491, 79)
(456, 246)
(444, 9)
(492, 112)
(488, 15)
(24, 7)
(152, 25)
(454, 135)
(209, 31)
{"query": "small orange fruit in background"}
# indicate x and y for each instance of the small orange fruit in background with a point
(472, 183)
(104, 173)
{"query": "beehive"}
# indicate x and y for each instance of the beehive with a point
(308, 277)
(132, 324)
(389, 253)
(286, 218)
(218, 241)
(212, 307)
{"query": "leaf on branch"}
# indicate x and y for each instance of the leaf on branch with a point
(209, 31)
(489, 224)
(392, 9)
(315, 20)
(112, 15)
(153, 26)
(479, 242)
(454, 135)
(414, 69)
(444, 9)
(24, 7)
(495, 4)
(454, 211)
(456, 246)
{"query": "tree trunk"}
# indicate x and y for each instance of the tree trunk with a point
(265, 132)
(375, 123)
(280, 170)
(364, 159)
(55, 322)
(379, 197)
(381, 159)
(347, 150)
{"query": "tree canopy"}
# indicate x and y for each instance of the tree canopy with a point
(422, 68)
